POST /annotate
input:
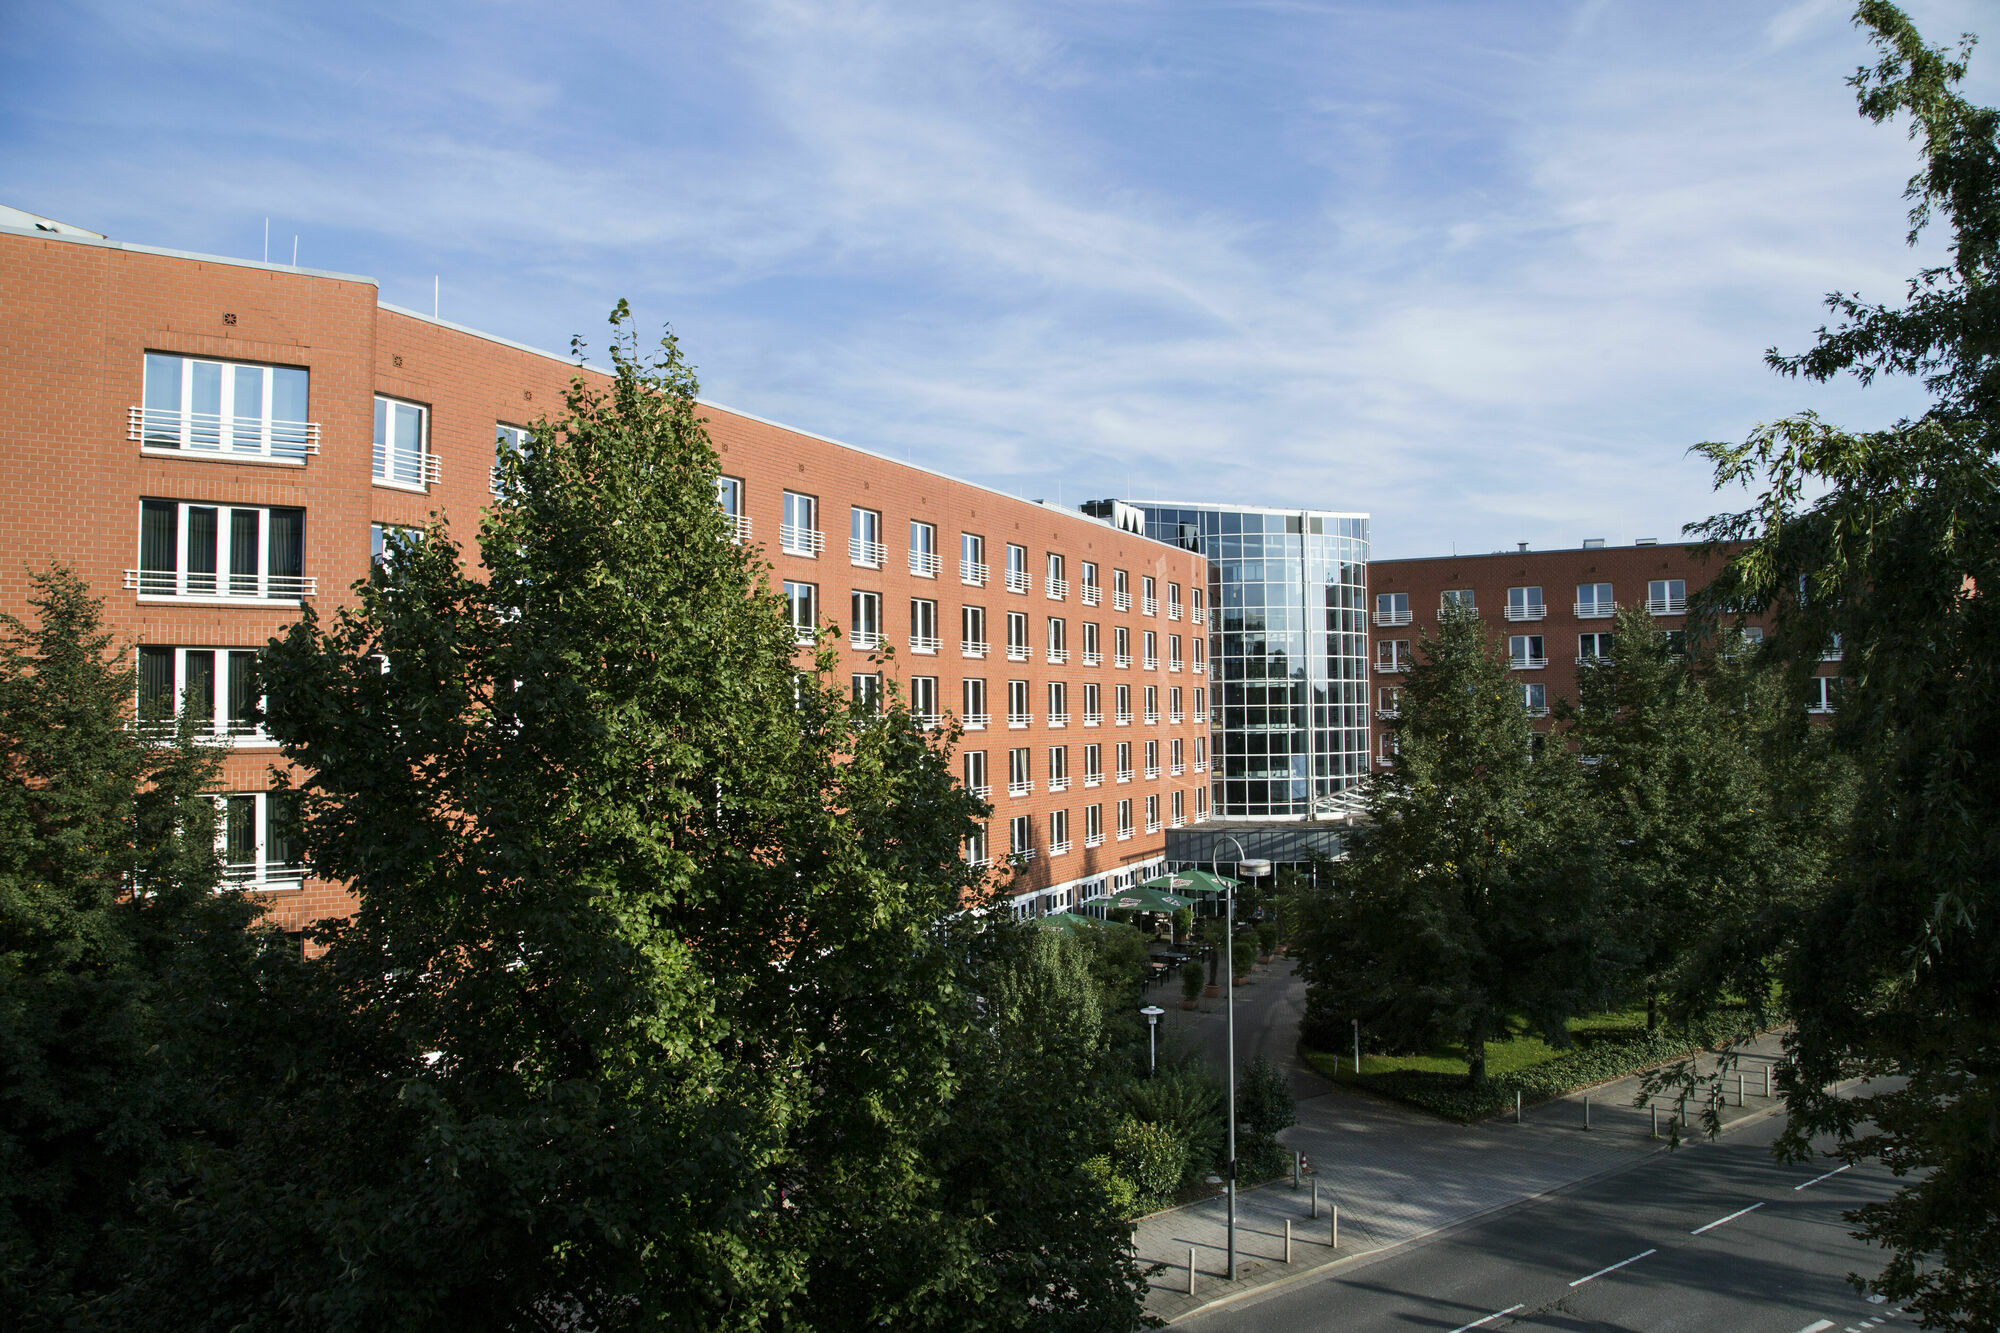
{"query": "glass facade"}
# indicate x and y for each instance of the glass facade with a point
(1288, 646)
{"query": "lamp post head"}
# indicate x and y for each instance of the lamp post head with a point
(1255, 867)
(1152, 1013)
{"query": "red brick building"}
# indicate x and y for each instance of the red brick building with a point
(211, 443)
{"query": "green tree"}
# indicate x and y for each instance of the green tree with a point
(108, 878)
(1472, 895)
(1890, 539)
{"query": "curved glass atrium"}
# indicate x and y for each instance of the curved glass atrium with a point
(1288, 651)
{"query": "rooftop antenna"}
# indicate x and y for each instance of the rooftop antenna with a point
(295, 249)
(434, 296)
(267, 240)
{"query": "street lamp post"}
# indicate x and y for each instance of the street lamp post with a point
(1152, 1013)
(1255, 867)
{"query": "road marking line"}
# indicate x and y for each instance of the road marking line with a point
(1817, 1326)
(1497, 1314)
(1731, 1218)
(1614, 1268)
(1816, 1180)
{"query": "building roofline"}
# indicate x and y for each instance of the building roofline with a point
(1245, 508)
(1541, 550)
(105, 243)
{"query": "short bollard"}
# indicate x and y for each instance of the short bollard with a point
(1767, 1082)
(1288, 1240)
(1656, 1121)
(1190, 1270)
(1296, 1159)
(1586, 1110)
(1517, 1106)
(1739, 1089)
(1315, 1196)
(1334, 1240)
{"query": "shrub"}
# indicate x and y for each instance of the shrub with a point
(1186, 1101)
(1191, 979)
(1152, 1157)
(1267, 937)
(1264, 1105)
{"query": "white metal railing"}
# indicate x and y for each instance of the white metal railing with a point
(1058, 655)
(1059, 783)
(1391, 714)
(924, 564)
(1059, 720)
(1538, 712)
(928, 721)
(1091, 657)
(1152, 717)
(1173, 610)
(1017, 652)
(1149, 606)
(1058, 589)
(1392, 618)
(1173, 664)
(1123, 717)
(1595, 610)
(1201, 765)
(1017, 580)
(1175, 770)
(1528, 663)
(861, 551)
(976, 721)
(1094, 718)
(739, 526)
(1152, 826)
(1199, 667)
(1093, 839)
(801, 541)
(249, 875)
(1197, 616)
(864, 638)
(1152, 770)
(402, 468)
(183, 583)
(1819, 708)
(972, 573)
(1177, 821)
(1667, 606)
(1093, 780)
(1592, 659)
(924, 643)
(1396, 666)
(1152, 662)
(1058, 848)
(804, 634)
(1121, 659)
(1833, 654)
(1440, 612)
(1174, 717)
(979, 862)
(984, 791)
(1124, 775)
(1019, 719)
(1091, 594)
(1121, 601)
(1020, 786)
(213, 433)
(1025, 855)
(1535, 612)
(972, 647)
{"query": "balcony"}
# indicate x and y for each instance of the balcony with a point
(210, 586)
(1592, 659)
(248, 875)
(1091, 657)
(1121, 601)
(1019, 720)
(1667, 606)
(1200, 667)
(1174, 718)
(1025, 855)
(210, 433)
(1152, 717)
(1124, 775)
(1058, 720)
(1152, 662)
(1152, 770)
(924, 564)
(925, 644)
(1091, 594)
(1198, 616)
(1201, 765)
(1527, 663)
(804, 635)
(864, 638)
(1058, 848)
(928, 721)
(1058, 655)
(1093, 779)
(1460, 605)
(1152, 826)
(867, 554)
(800, 541)
(976, 721)
(1175, 770)
(1173, 610)
(1396, 667)
(1177, 821)
(1173, 664)
(1017, 580)
(1093, 839)
(1387, 618)
(1020, 786)
(1124, 717)
(1058, 589)
(1595, 610)
(1017, 652)
(1093, 718)
(739, 527)
(979, 862)
(1149, 606)
(972, 573)
(1125, 835)
(984, 791)
(1121, 659)
(972, 647)
(1060, 783)
(1536, 712)
(1535, 612)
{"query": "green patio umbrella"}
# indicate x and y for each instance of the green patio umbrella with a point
(1070, 922)
(1144, 898)
(1187, 883)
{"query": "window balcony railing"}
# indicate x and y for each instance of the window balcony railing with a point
(1197, 616)
(1017, 580)
(1093, 779)
(984, 791)
(924, 564)
(1019, 719)
(1177, 821)
(864, 638)
(1017, 652)
(1121, 659)
(1173, 664)
(739, 527)
(979, 862)
(1124, 717)
(1174, 717)
(1020, 786)
(1535, 612)
(1058, 655)
(972, 647)
(1152, 770)
(1058, 720)
(1125, 835)
(1152, 661)
(800, 541)
(928, 721)
(1201, 765)
(1152, 717)
(1058, 589)
(1092, 719)
(1386, 618)
(1022, 855)
(1058, 848)
(222, 587)
(1833, 654)
(1149, 606)
(1592, 659)
(1396, 667)
(1152, 826)
(1536, 712)
(1391, 714)
(976, 721)
(1124, 775)
(205, 433)
(1460, 605)
(1091, 594)
(250, 875)
(804, 635)
(1121, 601)
(1091, 657)
(1667, 606)
(925, 643)
(870, 555)
(1595, 610)
(1175, 770)
(972, 573)
(1199, 668)
(1528, 663)
(1093, 839)
(1819, 708)
(1060, 783)
(1173, 610)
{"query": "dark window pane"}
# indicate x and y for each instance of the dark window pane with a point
(159, 526)
(198, 697)
(156, 685)
(201, 548)
(243, 552)
(240, 845)
(288, 549)
(282, 844)
(242, 692)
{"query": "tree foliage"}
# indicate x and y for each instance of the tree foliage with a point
(1890, 539)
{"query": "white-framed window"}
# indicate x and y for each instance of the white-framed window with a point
(864, 629)
(802, 609)
(924, 626)
(864, 538)
(1594, 601)
(383, 538)
(1124, 819)
(974, 715)
(1200, 704)
(1020, 771)
(1058, 832)
(1058, 768)
(1173, 652)
(729, 498)
(1017, 704)
(1180, 807)
(224, 409)
(1054, 583)
(975, 849)
(1524, 652)
(402, 455)
(1200, 753)
(1121, 590)
(1389, 701)
(867, 690)
(1392, 608)
(1525, 604)
(1093, 704)
(1124, 770)
(257, 835)
(1153, 812)
(1093, 825)
(1017, 636)
(1819, 694)
(924, 560)
(1058, 650)
(1091, 656)
(798, 532)
(1200, 654)
(1201, 802)
(218, 686)
(1667, 597)
(1093, 765)
(1392, 654)
(975, 774)
(1152, 759)
(1175, 766)
(1387, 746)
(1149, 601)
(1462, 598)
(1058, 704)
(1121, 646)
(972, 631)
(971, 560)
(513, 442)
(1150, 641)
(1535, 698)
(1152, 704)
(1017, 568)
(1087, 576)
(1124, 709)
(1173, 600)
(231, 553)
(924, 700)
(1593, 648)
(1020, 838)
(1174, 713)
(1198, 603)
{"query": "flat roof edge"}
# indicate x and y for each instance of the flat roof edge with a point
(1244, 508)
(105, 243)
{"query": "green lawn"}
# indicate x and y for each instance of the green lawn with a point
(1502, 1057)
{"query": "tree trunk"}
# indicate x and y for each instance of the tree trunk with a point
(1652, 1011)
(1475, 1053)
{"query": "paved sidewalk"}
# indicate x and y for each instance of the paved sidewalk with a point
(1398, 1174)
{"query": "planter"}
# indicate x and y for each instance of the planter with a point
(1190, 1004)
(1263, 960)
(1212, 992)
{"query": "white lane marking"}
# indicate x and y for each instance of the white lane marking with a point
(1614, 1268)
(1731, 1218)
(1817, 1326)
(1497, 1314)
(1816, 1180)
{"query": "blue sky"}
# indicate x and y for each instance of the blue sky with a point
(1482, 270)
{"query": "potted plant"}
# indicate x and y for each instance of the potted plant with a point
(1191, 983)
(1267, 940)
(1241, 963)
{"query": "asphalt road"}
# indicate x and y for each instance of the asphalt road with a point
(1717, 1236)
